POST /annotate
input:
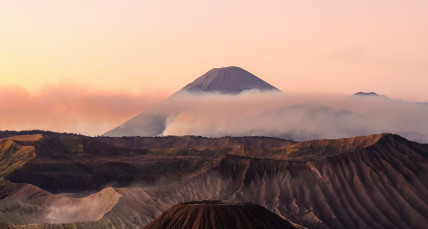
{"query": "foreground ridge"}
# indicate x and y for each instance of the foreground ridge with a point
(218, 214)
(376, 181)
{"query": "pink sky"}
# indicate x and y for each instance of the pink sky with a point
(138, 46)
(144, 48)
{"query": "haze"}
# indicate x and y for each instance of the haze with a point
(147, 50)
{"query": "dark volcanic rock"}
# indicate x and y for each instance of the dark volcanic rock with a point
(217, 214)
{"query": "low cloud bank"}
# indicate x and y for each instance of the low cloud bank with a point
(299, 117)
(69, 108)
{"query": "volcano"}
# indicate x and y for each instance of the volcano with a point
(231, 101)
(218, 214)
(226, 81)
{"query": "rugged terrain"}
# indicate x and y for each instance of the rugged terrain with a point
(70, 181)
(218, 214)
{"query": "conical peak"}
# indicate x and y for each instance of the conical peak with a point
(218, 214)
(228, 80)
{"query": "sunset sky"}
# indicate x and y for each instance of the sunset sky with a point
(140, 52)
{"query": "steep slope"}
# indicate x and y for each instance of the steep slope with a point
(383, 184)
(380, 182)
(377, 181)
(217, 214)
(228, 80)
(94, 163)
(12, 157)
(214, 106)
(37, 206)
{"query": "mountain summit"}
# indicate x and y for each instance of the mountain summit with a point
(228, 80)
(361, 93)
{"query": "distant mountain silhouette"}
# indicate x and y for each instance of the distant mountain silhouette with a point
(228, 80)
(361, 93)
(214, 106)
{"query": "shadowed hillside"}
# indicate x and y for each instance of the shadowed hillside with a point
(377, 181)
(94, 163)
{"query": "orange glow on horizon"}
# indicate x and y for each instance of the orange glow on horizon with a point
(70, 108)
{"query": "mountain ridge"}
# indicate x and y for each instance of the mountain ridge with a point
(375, 181)
(127, 155)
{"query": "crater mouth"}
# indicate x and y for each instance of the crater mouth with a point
(214, 202)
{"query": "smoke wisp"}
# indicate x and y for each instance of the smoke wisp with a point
(298, 117)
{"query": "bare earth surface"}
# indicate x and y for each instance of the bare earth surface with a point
(69, 181)
(217, 214)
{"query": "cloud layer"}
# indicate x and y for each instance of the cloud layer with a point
(69, 108)
(299, 117)
(72, 108)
